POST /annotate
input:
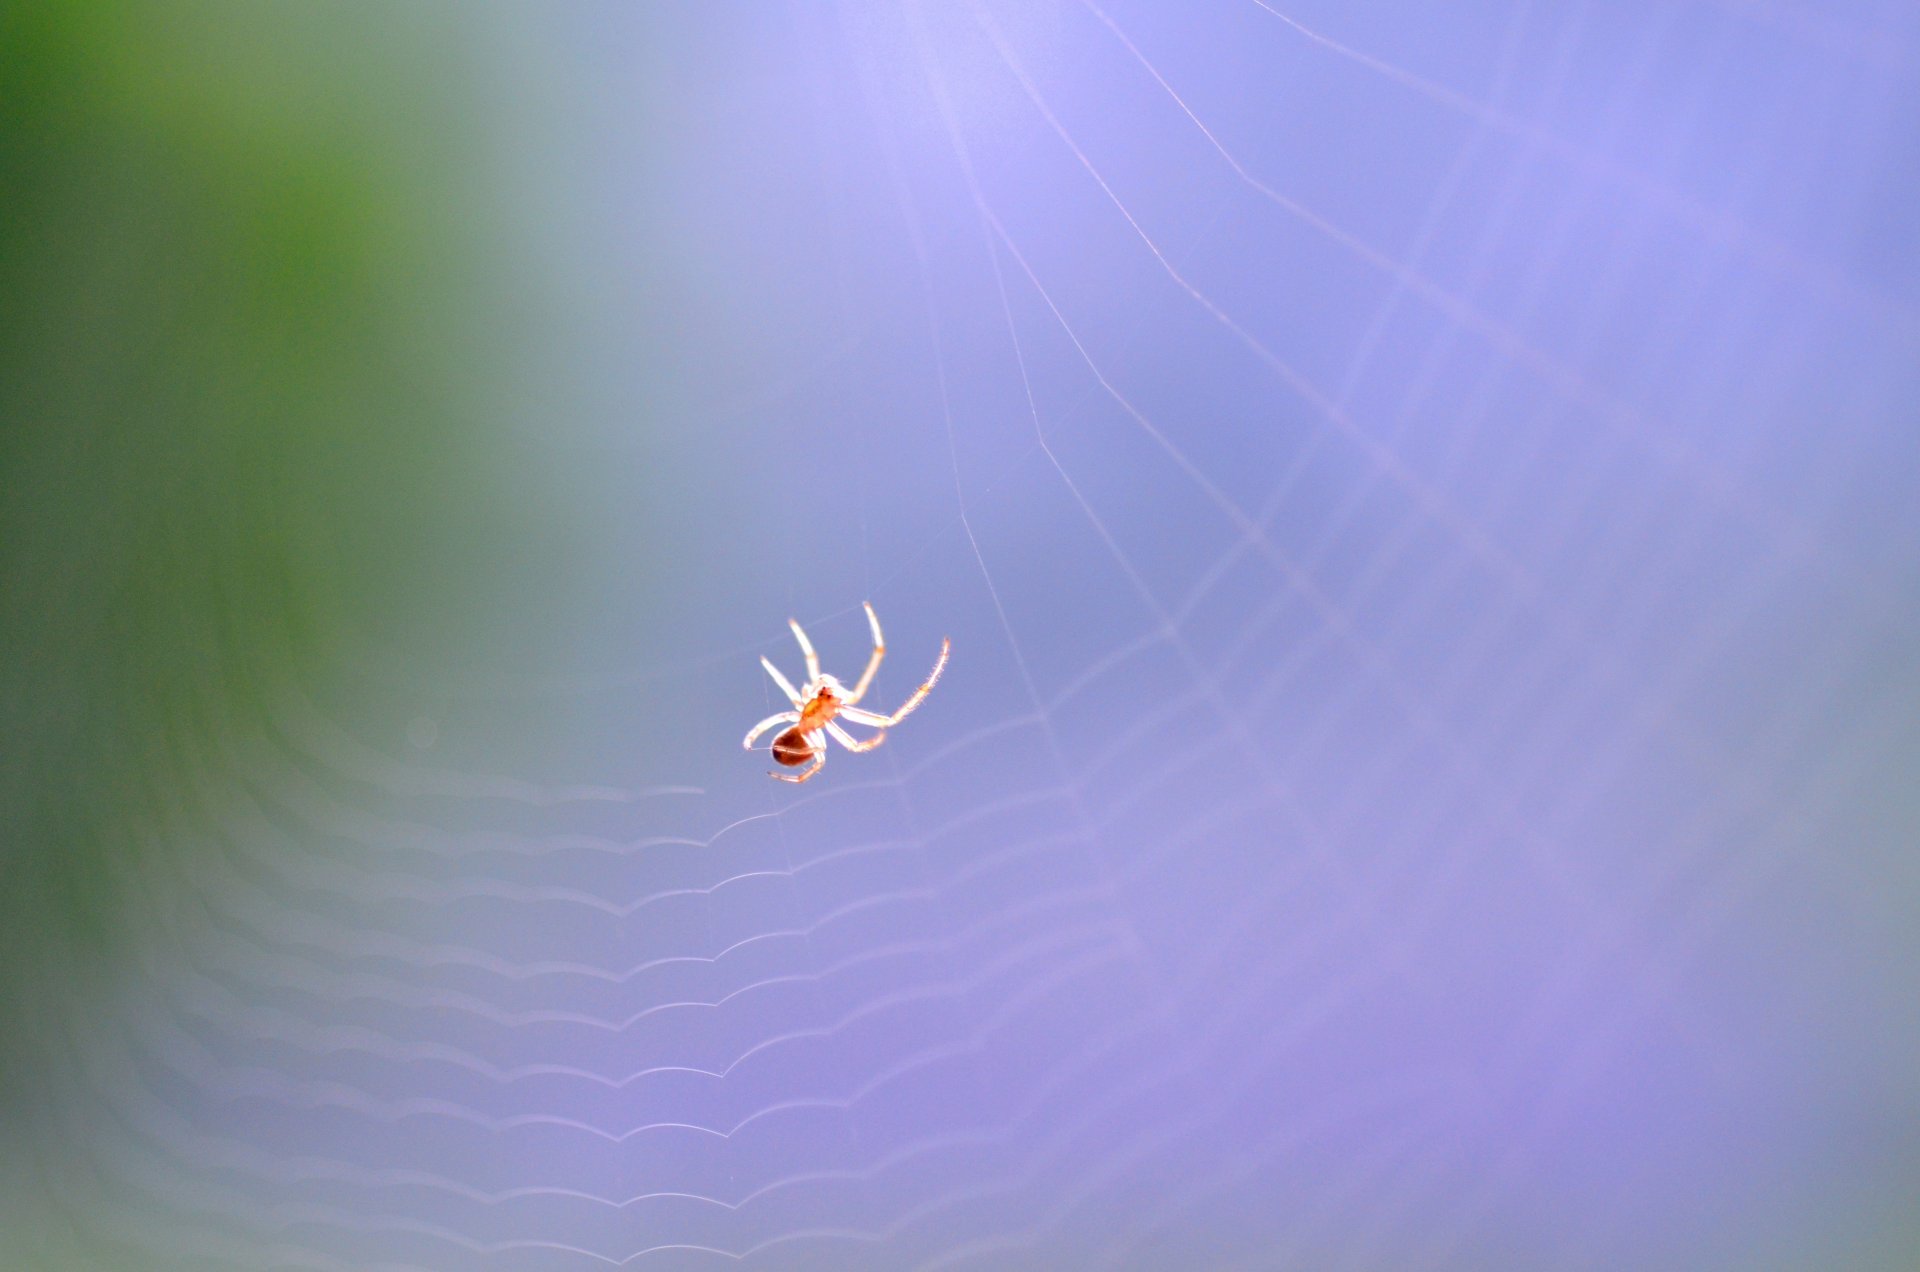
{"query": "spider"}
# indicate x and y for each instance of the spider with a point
(804, 741)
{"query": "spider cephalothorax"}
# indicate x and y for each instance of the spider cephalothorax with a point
(824, 701)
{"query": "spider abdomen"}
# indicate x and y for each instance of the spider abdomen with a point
(791, 749)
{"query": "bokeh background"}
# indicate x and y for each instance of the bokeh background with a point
(1422, 497)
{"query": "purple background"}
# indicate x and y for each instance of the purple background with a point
(1422, 499)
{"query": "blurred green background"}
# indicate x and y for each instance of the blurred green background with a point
(246, 368)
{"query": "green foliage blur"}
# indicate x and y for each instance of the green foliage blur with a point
(241, 325)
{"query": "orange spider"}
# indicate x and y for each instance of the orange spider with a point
(824, 699)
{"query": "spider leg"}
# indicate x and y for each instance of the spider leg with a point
(859, 716)
(786, 686)
(818, 745)
(873, 664)
(852, 743)
(806, 647)
(785, 717)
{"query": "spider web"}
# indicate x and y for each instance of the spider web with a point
(1421, 503)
